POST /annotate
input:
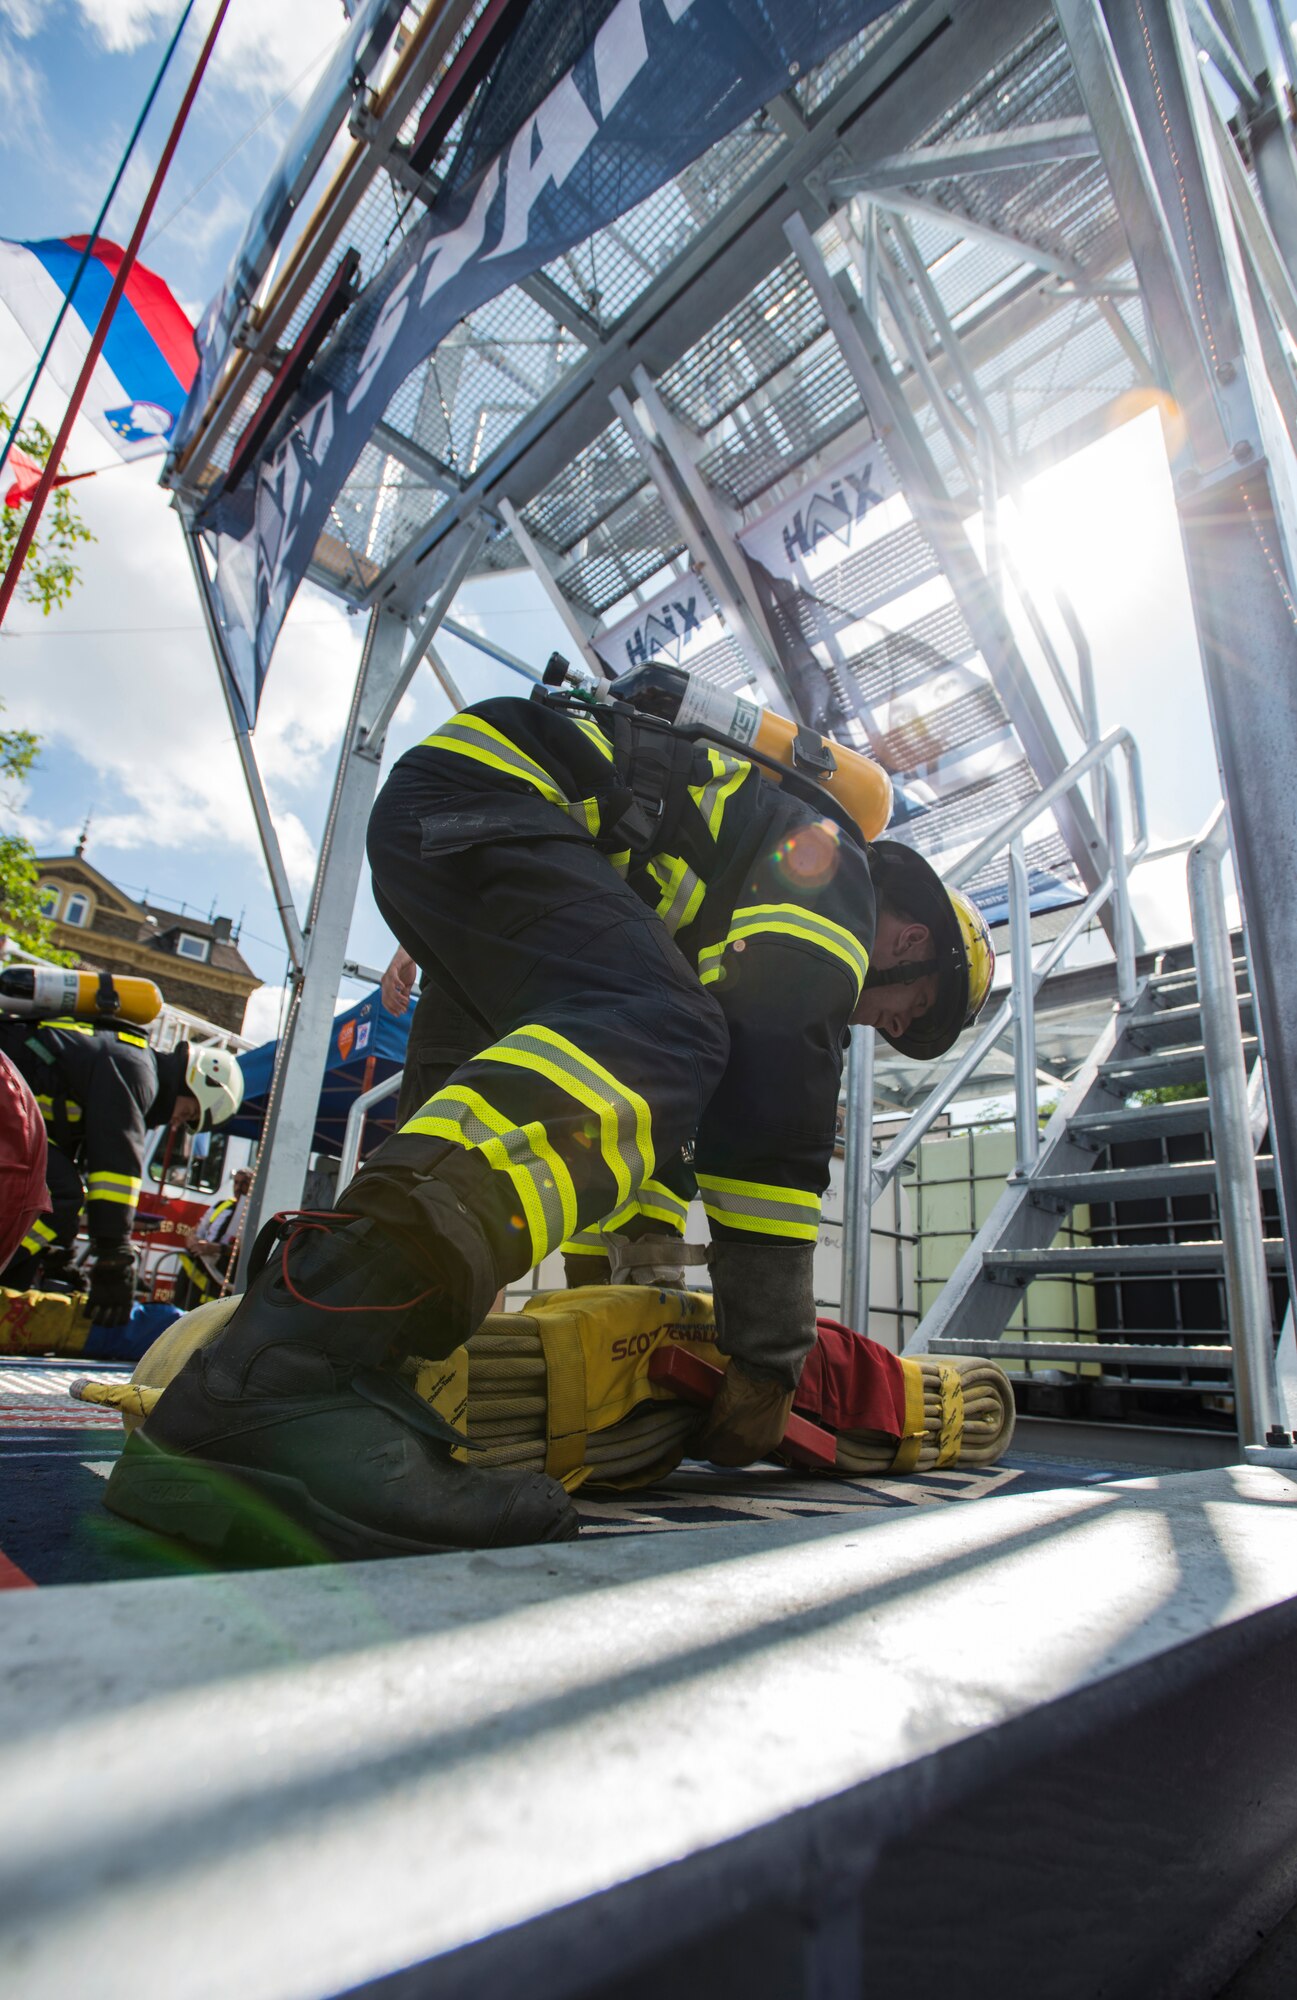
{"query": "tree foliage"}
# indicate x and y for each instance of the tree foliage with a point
(21, 917)
(49, 573)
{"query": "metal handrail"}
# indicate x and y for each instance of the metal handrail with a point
(1029, 975)
(349, 1158)
(1247, 1284)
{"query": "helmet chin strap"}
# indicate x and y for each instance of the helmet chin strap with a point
(901, 975)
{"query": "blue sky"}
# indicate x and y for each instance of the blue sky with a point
(120, 683)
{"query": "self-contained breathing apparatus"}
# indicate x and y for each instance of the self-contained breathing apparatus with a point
(660, 714)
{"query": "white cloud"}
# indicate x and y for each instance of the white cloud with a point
(22, 93)
(23, 16)
(124, 678)
(264, 45)
(265, 1011)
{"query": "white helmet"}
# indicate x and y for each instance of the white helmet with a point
(214, 1079)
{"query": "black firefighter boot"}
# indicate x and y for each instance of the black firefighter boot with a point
(285, 1440)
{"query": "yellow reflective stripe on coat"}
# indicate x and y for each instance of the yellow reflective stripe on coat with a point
(625, 1126)
(590, 729)
(69, 1026)
(761, 1206)
(656, 1203)
(523, 1152)
(682, 892)
(473, 737)
(38, 1238)
(124, 1188)
(787, 920)
(711, 798)
(198, 1274)
(586, 814)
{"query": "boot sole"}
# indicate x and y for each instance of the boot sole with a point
(256, 1519)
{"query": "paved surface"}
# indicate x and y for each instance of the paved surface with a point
(466, 1741)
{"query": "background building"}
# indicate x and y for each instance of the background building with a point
(194, 960)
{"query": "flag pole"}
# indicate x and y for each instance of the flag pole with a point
(50, 473)
(17, 424)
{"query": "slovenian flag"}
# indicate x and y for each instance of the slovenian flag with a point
(142, 377)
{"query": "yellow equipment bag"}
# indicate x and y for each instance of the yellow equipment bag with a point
(564, 1388)
(42, 1323)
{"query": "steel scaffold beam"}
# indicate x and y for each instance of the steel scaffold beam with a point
(1143, 87)
(862, 350)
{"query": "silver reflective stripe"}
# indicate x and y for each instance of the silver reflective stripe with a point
(682, 891)
(625, 1127)
(470, 736)
(711, 799)
(522, 1151)
(766, 1209)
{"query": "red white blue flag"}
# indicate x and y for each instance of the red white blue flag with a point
(149, 360)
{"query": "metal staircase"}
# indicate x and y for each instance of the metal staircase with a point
(1179, 1251)
(1189, 1275)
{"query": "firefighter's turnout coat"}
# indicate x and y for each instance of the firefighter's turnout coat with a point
(640, 982)
(99, 1089)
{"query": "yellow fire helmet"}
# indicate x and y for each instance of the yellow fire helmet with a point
(963, 955)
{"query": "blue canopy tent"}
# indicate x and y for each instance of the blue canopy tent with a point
(367, 1045)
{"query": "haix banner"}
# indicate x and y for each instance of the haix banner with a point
(679, 626)
(659, 82)
(857, 595)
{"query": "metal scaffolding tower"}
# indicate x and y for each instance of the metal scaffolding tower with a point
(969, 242)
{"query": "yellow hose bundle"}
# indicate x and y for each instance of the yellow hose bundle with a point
(565, 1388)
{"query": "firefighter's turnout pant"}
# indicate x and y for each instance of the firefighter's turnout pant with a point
(598, 1049)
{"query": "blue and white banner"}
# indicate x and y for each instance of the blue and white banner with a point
(660, 82)
(373, 24)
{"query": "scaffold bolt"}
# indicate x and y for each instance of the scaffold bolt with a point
(1226, 371)
(1243, 451)
(1189, 480)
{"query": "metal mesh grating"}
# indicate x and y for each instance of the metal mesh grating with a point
(598, 480)
(904, 660)
(637, 541)
(818, 85)
(777, 321)
(607, 273)
(974, 715)
(814, 403)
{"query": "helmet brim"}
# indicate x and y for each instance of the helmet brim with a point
(919, 889)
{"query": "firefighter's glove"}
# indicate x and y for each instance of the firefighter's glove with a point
(112, 1285)
(765, 1322)
(747, 1420)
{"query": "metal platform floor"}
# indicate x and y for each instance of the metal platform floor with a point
(1043, 1746)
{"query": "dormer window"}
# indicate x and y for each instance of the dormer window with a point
(77, 912)
(189, 946)
(49, 899)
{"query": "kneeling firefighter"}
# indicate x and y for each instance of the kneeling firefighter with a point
(100, 1086)
(662, 937)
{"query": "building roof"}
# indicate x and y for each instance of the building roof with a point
(156, 923)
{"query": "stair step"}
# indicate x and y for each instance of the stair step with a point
(1182, 1025)
(1113, 1354)
(1165, 1066)
(1141, 1183)
(1118, 1260)
(1141, 1121)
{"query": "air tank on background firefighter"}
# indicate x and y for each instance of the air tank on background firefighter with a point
(47, 991)
(860, 786)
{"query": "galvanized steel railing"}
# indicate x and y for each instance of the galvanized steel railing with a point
(865, 1178)
(1233, 1117)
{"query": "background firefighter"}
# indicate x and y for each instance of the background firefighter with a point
(100, 1088)
(658, 949)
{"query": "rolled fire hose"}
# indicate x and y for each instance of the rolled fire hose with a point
(967, 1413)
